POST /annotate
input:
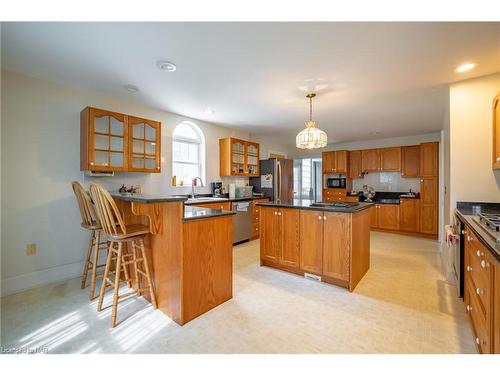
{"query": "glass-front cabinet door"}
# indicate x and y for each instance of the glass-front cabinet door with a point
(238, 166)
(252, 154)
(107, 141)
(144, 145)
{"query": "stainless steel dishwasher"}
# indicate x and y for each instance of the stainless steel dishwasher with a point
(242, 221)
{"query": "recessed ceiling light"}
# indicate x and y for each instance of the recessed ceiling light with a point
(166, 65)
(209, 111)
(131, 88)
(465, 67)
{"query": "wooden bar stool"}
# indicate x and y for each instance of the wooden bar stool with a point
(118, 260)
(91, 223)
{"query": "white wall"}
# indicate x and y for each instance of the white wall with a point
(471, 174)
(40, 158)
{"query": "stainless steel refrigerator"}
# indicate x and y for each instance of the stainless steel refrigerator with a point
(275, 180)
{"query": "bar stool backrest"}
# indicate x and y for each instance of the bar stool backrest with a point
(87, 210)
(109, 216)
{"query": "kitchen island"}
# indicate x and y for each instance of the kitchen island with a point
(327, 243)
(190, 250)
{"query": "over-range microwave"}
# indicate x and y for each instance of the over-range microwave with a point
(336, 183)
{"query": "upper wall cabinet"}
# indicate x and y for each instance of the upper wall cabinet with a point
(429, 159)
(355, 164)
(238, 157)
(496, 132)
(410, 161)
(370, 160)
(390, 159)
(144, 145)
(115, 142)
(335, 162)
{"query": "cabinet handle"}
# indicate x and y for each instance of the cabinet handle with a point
(498, 159)
(479, 291)
(469, 269)
(275, 213)
(91, 163)
(478, 341)
(479, 253)
(469, 308)
(485, 264)
(320, 217)
(279, 213)
(324, 217)
(468, 238)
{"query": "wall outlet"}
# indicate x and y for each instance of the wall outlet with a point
(31, 249)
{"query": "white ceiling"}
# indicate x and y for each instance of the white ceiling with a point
(374, 80)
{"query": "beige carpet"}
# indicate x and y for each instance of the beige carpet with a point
(403, 305)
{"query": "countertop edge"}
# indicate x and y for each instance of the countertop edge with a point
(467, 219)
(349, 210)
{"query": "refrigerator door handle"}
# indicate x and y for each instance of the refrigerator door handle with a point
(278, 193)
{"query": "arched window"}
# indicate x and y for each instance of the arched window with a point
(188, 153)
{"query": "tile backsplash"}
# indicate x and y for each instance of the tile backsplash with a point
(387, 181)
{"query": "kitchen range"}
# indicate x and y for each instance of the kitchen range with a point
(476, 264)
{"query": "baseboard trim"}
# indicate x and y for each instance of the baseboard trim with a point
(36, 279)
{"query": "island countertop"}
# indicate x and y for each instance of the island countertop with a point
(306, 204)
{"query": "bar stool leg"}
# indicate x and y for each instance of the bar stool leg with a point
(94, 264)
(125, 267)
(87, 259)
(145, 264)
(136, 272)
(117, 284)
(105, 276)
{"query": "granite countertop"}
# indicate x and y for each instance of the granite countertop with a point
(384, 197)
(467, 216)
(195, 213)
(147, 198)
(306, 204)
(220, 200)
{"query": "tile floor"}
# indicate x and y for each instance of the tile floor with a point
(403, 305)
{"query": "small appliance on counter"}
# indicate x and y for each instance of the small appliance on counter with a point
(336, 182)
(216, 189)
(368, 193)
(244, 191)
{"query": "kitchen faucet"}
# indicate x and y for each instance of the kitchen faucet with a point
(193, 184)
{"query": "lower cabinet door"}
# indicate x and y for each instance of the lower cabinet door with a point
(388, 216)
(311, 241)
(374, 216)
(270, 236)
(410, 215)
(290, 227)
(336, 245)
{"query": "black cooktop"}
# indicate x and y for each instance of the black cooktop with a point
(334, 204)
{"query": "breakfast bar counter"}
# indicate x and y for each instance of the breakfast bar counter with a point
(190, 250)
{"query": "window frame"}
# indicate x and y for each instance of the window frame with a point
(199, 142)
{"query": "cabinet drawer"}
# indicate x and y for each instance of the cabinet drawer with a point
(255, 230)
(479, 324)
(478, 272)
(255, 217)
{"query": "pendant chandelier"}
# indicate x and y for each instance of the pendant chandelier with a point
(311, 137)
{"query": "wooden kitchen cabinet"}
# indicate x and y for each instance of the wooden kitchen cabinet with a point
(429, 159)
(409, 215)
(370, 160)
(410, 161)
(256, 217)
(355, 164)
(270, 241)
(283, 225)
(496, 132)
(429, 205)
(238, 157)
(336, 247)
(335, 162)
(496, 306)
(115, 142)
(103, 140)
(311, 241)
(385, 216)
(390, 159)
(144, 145)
